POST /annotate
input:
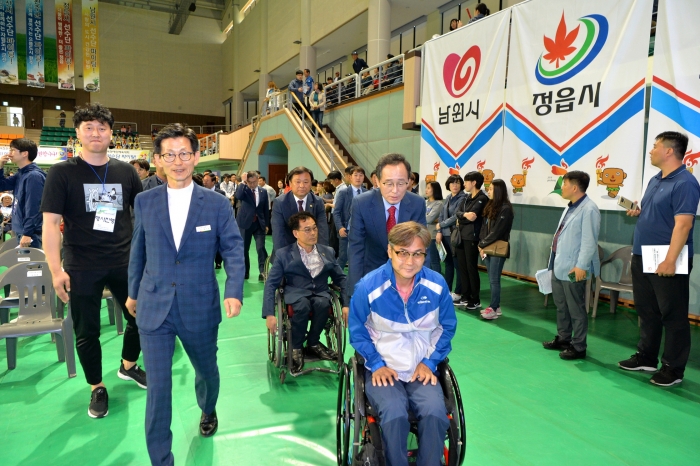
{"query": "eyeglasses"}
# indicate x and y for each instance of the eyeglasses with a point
(391, 184)
(308, 230)
(184, 156)
(403, 254)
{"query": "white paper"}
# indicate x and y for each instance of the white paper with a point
(544, 280)
(441, 251)
(652, 256)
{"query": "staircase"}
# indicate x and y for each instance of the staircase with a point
(146, 142)
(339, 146)
(33, 134)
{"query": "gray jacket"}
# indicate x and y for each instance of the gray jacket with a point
(433, 210)
(448, 215)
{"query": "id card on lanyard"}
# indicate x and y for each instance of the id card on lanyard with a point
(106, 213)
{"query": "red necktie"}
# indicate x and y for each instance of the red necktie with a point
(391, 221)
(301, 206)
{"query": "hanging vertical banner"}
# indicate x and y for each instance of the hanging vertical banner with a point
(91, 46)
(462, 100)
(64, 44)
(675, 90)
(575, 97)
(8, 43)
(35, 43)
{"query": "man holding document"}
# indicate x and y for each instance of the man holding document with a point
(661, 297)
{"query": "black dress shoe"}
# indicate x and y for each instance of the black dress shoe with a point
(570, 354)
(321, 352)
(297, 360)
(208, 424)
(556, 344)
(261, 278)
(217, 266)
(246, 277)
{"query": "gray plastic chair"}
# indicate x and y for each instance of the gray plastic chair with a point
(7, 259)
(624, 283)
(36, 313)
(8, 244)
(589, 280)
(114, 310)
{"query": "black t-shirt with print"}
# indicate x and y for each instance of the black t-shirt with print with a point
(73, 190)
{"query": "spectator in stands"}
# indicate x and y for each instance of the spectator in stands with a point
(297, 200)
(393, 70)
(154, 132)
(337, 77)
(252, 219)
(402, 322)
(15, 120)
(341, 211)
(433, 208)
(129, 132)
(498, 221)
(270, 102)
(27, 186)
(481, 12)
(95, 252)
(366, 83)
(174, 292)
(331, 92)
(446, 223)
(469, 220)
(62, 120)
(308, 86)
(305, 266)
(376, 212)
(296, 87)
(317, 103)
(122, 131)
(574, 257)
(280, 187)
(358, 64)
(662, 298)
(455, 24)
(142, 167)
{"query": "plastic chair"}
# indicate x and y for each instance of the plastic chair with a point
(624, 283)
(9, 244)
(114, 310)
(36, 313)
(8, 259)
(589, 280)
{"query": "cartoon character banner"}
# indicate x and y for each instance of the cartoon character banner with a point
(675, 90)
(35, 43)
(462, 100)
(8, 43)
(575, 98)
(91, 46)
(64, 45)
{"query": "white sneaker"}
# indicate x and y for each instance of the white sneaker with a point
(455, 297)
(489, 314)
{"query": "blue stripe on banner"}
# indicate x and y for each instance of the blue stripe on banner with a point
(670, 106)
(479, 142)
(584, 145)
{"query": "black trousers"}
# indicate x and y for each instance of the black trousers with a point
(255, 231)
(468, 262)
(319, 305)
(86, 288)
(662, 304)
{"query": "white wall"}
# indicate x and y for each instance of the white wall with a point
(142, 67)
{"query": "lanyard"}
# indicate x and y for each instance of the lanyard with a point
(104, 190)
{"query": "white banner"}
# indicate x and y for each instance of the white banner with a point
(675, 91)
(575, 98)
(462, 100)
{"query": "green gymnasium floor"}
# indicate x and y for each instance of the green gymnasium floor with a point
(523, 405)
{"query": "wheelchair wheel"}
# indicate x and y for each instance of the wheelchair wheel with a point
(344, 423)
(457, 434)
(281, 340)
(267, 268)
(272, 347)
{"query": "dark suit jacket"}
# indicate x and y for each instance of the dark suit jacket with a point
(368, 239)
(298, 282)
(343, 202)
(220, 191)
(247, 209)
(160, 274)
(150, 183)
(284, 207)
(358, 65)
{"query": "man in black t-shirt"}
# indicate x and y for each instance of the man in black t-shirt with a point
(94, 195)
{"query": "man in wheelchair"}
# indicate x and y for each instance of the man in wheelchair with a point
(305, 267)
(401, 322)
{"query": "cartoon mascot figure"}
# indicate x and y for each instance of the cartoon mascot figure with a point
(612, 178)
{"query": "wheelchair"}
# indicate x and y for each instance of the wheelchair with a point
(279, 349)
(357, 424)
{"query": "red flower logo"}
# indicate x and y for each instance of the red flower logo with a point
(459, 73)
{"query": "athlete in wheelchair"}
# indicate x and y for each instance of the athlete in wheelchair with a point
(296, 293)
(401, 323)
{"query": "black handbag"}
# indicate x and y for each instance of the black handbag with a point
(455, 237)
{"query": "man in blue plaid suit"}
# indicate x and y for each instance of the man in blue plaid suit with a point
(179, 229)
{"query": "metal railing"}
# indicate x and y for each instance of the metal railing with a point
(56, 122)
(374, 78)
(255, 123)
(117, 126)
(199, 129)
(12, 119)
(209, 145)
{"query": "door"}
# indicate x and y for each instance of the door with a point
(276, 172)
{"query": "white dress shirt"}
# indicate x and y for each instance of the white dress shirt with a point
(178, 207)
(296, 202)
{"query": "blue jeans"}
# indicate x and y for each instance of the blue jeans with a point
(392, 403)
(494, 266)
(434, 257)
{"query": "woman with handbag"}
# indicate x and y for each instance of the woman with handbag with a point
(493, 242)
(446, 226)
